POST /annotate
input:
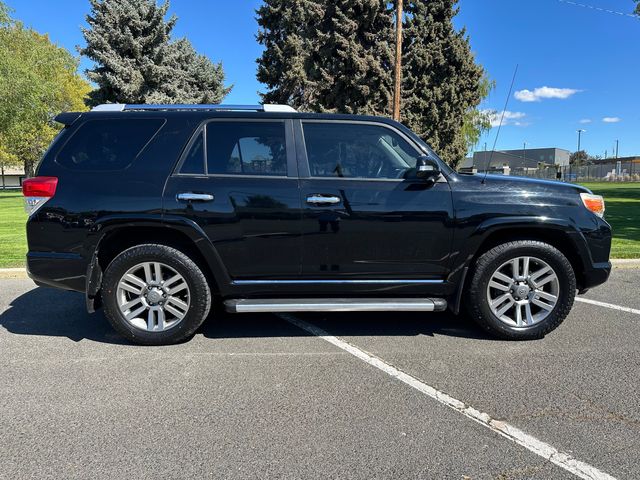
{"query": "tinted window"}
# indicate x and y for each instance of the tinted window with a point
(357, 151)
(107, 144)
(194, 161)
(246, 148)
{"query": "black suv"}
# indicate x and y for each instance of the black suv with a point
(157, 211)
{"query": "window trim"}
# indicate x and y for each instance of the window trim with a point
(292, 166)
(163, 122)
(305, 170)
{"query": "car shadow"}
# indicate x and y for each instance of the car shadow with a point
(57, 313)
(49, 312)
(354, 324)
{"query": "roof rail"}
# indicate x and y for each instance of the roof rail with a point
(120, 107)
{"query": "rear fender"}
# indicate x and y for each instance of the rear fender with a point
(105, 227)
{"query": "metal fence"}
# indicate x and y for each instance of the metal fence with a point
(609, 172)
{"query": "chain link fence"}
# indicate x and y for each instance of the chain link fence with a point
(608, 172)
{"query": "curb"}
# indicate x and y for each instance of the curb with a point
(626, 263)
(13, 273)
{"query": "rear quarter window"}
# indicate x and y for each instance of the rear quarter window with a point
(109, 144)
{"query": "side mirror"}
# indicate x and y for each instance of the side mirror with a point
(427, 168)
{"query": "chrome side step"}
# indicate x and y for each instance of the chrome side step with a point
(336, 305)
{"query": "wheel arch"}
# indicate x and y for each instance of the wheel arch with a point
(557, 235)
(115, 237)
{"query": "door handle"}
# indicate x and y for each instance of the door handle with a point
(194, 197)
(321, 199)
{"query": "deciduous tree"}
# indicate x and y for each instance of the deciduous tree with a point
(38, 80)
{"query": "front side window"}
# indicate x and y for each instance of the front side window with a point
(110, 144)
(352, 150)
(246, 148)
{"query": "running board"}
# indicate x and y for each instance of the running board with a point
(336, 305)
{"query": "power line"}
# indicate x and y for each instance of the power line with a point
(599, 9)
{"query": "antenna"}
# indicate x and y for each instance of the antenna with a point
(504, 110)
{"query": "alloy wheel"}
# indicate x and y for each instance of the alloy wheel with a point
(523, 291)
(153, 296)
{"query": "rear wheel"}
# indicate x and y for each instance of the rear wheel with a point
(521, 290)
(155, 295)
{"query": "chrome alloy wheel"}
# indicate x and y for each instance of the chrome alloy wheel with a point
(523, 291)
(152, 296)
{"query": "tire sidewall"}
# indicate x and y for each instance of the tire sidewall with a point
(566, 281)
(198, 291)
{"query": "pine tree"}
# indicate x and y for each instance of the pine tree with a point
(194, 77)
(287, 31)
(355, 58)
(441, 81)
(324, 55)
(136, 62)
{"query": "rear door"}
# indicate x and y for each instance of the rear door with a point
(365, 217)
(238, 181)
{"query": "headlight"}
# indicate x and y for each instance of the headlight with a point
(593, 203)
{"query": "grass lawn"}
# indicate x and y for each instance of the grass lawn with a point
(622, 200)
(13, 241)
(622, 203)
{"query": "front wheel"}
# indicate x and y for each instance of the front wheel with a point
(521, 290)
(155, 295)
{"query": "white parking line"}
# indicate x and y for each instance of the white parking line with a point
(608, 305)
(548, 452)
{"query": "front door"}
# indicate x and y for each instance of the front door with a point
(366, 216)
(238, 182)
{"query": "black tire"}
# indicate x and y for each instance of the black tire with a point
(478, 305)
(200, 294)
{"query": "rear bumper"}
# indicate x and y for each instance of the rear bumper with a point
(66, 271)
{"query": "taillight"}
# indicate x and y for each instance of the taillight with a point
(593, 203)
(37, 191)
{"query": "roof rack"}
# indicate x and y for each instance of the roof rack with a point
(121, 107)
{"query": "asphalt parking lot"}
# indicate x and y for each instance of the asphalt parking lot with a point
(257, 396)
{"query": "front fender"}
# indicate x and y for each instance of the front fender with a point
(467, 246)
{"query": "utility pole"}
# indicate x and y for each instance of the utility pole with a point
(617, 145)
(398, 69)
(524, 151)
(580, 132)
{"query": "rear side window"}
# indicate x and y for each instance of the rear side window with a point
(246, 148)
(103, 145)
(194, 160)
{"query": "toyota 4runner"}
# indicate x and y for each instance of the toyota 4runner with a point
(158, 211)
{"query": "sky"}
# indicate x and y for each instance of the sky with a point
(578, 67)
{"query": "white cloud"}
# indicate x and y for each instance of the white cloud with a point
(544, 92)
(585, 121)
(611, 119)
(510, 118)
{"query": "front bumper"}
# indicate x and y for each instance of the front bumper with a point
(595, 275)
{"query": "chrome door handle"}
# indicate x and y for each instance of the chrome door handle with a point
(194, 197)
(319, 199)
